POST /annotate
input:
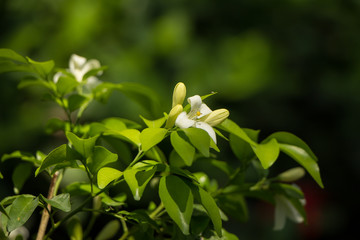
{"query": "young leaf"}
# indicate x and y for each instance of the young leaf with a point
(178, 201)
(42, 68)
(56, 156)
(61, 202)
(149, 137)
(20, 175)
(100, 158)
(107, 175)
(115, 124)
(130, 135)
(20, 211)
(137, 180)
(304, 159)
(66, 84)
(22, 155)
(267, 152)
(211, 208)
(200, 139)
(154, 123)
(11, 55)
(76, 101)
(185, 150)
(82, 146)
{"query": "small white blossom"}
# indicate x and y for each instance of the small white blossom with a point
(285, 209)
(193, 118)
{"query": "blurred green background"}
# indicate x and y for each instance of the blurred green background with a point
(281, 65)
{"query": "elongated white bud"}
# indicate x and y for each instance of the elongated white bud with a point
(216, 117)
(179, 94)
(292, 174)
(174, 113)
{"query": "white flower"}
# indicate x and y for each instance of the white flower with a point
(193, 118)
(79, 66)
(285, 209)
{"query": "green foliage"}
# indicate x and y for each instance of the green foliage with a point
(120, 157)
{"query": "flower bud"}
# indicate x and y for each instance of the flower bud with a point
(174, 113)
(291, 175)
(179, 94)
(216, 117)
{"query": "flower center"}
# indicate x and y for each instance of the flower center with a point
(198, 113)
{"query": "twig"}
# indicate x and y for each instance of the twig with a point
(45, 215)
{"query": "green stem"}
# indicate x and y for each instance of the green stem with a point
(154, 214)
(78, 209)
(126, 230)
(137, 157)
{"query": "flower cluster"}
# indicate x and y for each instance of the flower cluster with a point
(79, 68)
(199, 116)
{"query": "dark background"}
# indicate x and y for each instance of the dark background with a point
(282, 65)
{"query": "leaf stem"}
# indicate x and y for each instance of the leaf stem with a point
(154, 214)
(137, 157)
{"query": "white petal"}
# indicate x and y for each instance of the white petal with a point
(182, 121)
(89, 65)
(280, 216)
(195, 103)
(208, 129)
(292, 212)
(204, 110)
(76, 62)
(57, 76)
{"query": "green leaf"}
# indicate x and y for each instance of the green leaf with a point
(304, 159)
(130, 135)
(154, 123)
(137, 180)
(288, 190)
(22, 155)
(178, 201)
(106, 175)
(2, 209)
(20, 175)
(200, 139)
(74, 229)
(61, 202)
(76, 101)
(56, 156)
(82, 146)
(234, 205)
(150, 137)
(33, 81)
(144, 96)
(267, 152)
(116, 124)
(233, 128)
(291, 139)
(100, 158)
(11, 55)
(185, 150)
(242, 149)
(211, 208)
(55, 124)
(42, 68)
(20, 211)
(66, 84)
(109, 230)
